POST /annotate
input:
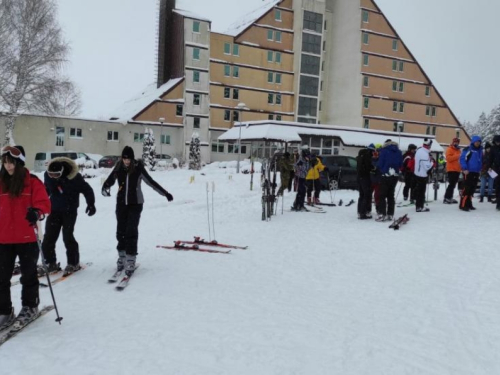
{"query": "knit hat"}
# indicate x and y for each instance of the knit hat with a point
(456, 140)
(128, 153)
(412, 146)
(427, 143)
(371, 146)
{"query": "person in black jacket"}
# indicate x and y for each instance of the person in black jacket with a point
(364, 170)
(494, 164)
(129, 200)
(64, 184)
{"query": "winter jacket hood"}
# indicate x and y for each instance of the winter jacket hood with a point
(390, 159)
(471, 158)
(70, 167)
(315, 167)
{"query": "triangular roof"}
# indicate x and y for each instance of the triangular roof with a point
(131, 108)
(246, 21)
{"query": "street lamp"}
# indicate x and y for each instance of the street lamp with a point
(162, 120)
(240, 107)
(400, 128)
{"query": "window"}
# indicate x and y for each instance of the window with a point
(428, 130)
(178, 110)
(270, 76)
(196, 76)
(236, 94)
(227, 48)
(196, 27)
(394, 85)
(270, 98)
(236, 50)
(394, 44)
(401, 87)
(278, 99)
(138, 137)
(309, 85)
(457, 134)
(227, 92)
(313, 21)
(366, 38)
(217, 147)
(324, 25)
(401, 66)
(321, 86)
(196, 53)
(60, 136)
(165, 139)
(75, 133)
(112, 136)
(365, 59)
(236, 116)
(277, 36)
(394, 65)
(366, 81)
(196, 122)
(320, 105)
(324, 45)
(269, 56)
(227, 71)
(434, 128)
(366, 103)
(398, 127)
(311, 43)
(227, 115)
(196, 99)
(308, 106)
(278, 117)
(366, 16)
(433, 112)
(277, 57)
(270, 35)
(401, 107)
(309, 65)
(322, 66)
(427, 111)
(366, 124)
(427, 91)
(236, 71)
(306, 120)
(277, 78)
(277, 15)
(270, 117)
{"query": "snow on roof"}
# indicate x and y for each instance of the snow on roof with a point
(244, 22)
(281, 131)
(128, 110)
(189, 14)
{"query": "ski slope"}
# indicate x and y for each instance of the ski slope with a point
(314, 294)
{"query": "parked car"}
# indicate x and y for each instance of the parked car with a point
(82, 155)
(164, 157)
(342, 172)
(42, 158)
(108, 161)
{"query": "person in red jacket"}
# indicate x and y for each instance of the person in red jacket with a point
(23, 201)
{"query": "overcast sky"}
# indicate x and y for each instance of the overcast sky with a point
(114, 48)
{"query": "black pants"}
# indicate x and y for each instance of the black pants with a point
(452, 184)
(290, 180)
(420, 187)
(56, 221)
(365, 195)
(301, 193)
(313, 185)
(28, 258)
(127, 229)
(409, 189)
(469, 189)
(496, 184)
(387, 189)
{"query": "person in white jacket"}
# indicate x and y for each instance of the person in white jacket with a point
(423, 164)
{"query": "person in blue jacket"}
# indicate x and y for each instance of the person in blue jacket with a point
(389, 164)
(471, 162)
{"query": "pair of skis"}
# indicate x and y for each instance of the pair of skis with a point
(400, 221)
(123, 280)
(195, 246)
(334, 205)
(16, 327)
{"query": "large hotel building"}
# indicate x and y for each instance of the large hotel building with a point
(329, 62)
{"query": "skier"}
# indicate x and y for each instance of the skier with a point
(64, 184)
(285, 166)
(408, 173)
(301, 167)
(485, 177)
(23, 201)
(453, 170)
(364, 170)
(423, 166)
(375, 176)
(389, 163)
(494, 165)
(129, 201)
(313, 181)
(293, 178)
(471, 161)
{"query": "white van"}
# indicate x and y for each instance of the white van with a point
(42, 158)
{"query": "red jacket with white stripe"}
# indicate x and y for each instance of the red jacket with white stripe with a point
(14, 228)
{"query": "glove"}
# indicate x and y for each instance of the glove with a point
(90, 210)
(170, 197)
(105, 192)
(32, 216)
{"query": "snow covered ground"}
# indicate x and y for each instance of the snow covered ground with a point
(315, 294)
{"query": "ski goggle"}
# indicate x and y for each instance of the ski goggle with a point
(14, 152)
(55, 174)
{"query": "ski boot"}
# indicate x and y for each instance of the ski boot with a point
(130, 265)
(71, 268)
(7, 320)
(26, 316)
(120, 263)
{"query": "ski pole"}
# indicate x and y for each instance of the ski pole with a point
(208, 216)
(44, 264)
(213, 217)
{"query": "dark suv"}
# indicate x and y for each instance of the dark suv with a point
(342, 172)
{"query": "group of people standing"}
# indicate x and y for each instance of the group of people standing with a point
(25, 200)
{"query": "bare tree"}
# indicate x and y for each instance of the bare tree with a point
(32, 56)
